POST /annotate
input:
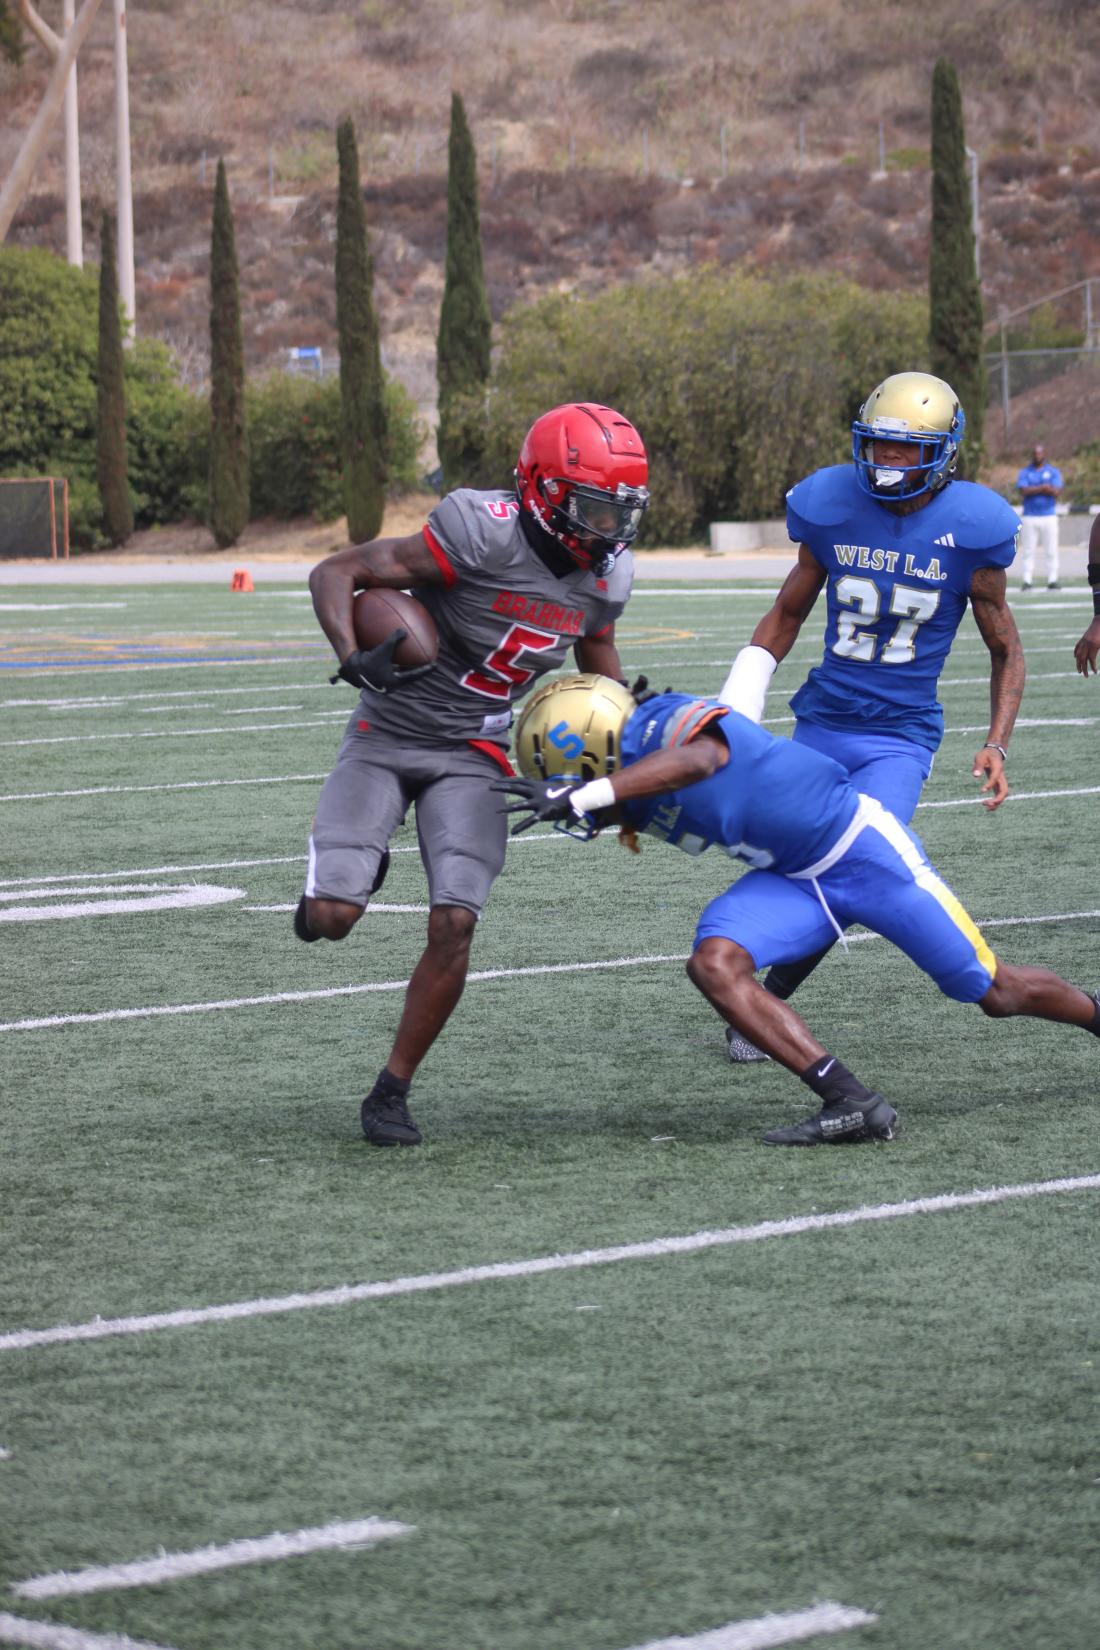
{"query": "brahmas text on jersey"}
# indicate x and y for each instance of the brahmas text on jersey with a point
(503, 620)
(897, 588)
(744, 808)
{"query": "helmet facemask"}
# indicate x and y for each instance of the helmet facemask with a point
(933, 470)
(911, 409)
(593, 524)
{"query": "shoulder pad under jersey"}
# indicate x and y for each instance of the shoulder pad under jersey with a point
(980, 518)
(668, 720)
(474, 528)
(823, 499)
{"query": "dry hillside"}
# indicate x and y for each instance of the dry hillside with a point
(615, 140)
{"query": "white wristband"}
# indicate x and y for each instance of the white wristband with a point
(588, 799)
(746, 685)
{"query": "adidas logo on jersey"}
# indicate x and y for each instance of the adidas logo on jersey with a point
(948, 541)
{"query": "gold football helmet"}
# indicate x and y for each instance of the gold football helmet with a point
(573, 727)
(911, 407)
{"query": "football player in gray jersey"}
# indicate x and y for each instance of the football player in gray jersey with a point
(513, 580)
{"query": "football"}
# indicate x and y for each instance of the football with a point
(378, 613)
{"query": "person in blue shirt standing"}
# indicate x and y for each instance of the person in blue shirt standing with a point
(695, 774)
(1039, 484)
(901, 550)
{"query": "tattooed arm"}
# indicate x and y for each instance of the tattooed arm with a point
(988, 598)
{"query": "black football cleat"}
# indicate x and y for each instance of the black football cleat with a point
(386, 1121)
(301, 927)
(838, 1125)
(740, 1051)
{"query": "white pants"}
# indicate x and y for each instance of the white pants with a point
(1035, 530)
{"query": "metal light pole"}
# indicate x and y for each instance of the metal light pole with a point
(975, 218)
(74, 234)
(122, 168)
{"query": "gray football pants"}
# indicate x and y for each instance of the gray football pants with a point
(461, 829)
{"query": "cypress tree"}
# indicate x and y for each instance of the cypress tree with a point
(228, 429)
(362, 400)
(955, 299)
(111, 475)
(465, 326)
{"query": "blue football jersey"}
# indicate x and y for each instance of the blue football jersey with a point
(775, 804)
(897, 588)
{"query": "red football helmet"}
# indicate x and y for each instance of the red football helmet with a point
(582, 475)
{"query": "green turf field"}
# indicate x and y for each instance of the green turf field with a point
(896, 1414)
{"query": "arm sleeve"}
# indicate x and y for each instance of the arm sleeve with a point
(746, 686)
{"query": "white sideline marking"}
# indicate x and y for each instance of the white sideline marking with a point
(155, 897)
(147, 1572)
(765, 1631)
(52, 1021)
(348, 1294)
(48, 1635)
(316, 996)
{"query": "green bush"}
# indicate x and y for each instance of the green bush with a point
(1084, 477)
(740, 385)
(294, 429)
(48, 342)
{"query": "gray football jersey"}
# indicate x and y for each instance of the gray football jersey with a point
(503, 619)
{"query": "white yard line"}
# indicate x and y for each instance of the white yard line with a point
(233, 864)
(372, 909)
(30, 672)
(762, 1632)
(326, 719)
(147, 1572)
(179, 785)
(52, 1022)
(657, 1248)
(105, 701)
(101, 700)
(1015, 796)
(48, 1635)
(1033, 722)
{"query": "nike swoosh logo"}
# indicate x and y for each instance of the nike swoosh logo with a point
(826, 1068)
(562, 790)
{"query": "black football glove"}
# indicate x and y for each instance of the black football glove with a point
(547, 799)
(641, 692)
(374, 668)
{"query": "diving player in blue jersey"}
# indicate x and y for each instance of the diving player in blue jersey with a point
(901, 549)
(696, 775)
